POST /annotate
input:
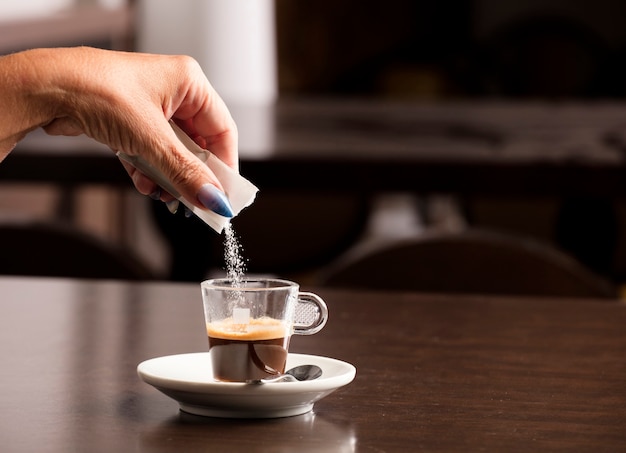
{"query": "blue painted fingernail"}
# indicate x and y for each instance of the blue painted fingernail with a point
(172, 206)
(214, 199)
(156, 194)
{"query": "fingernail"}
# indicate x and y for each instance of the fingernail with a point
(188, 212)
(172, 206)
(214, 199)
(156, 194)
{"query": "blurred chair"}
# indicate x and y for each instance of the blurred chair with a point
(43, 249)
(551, 56)
(472, 261)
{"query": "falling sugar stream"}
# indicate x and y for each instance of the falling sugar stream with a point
(235, 264)
(235, 270)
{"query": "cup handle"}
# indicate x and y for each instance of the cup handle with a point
(311, 314)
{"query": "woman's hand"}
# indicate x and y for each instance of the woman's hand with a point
(125, 100)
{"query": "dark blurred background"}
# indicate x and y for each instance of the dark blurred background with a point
(451, 49)
(407, 50)
(480, 50)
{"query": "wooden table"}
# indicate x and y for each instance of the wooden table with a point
(434, 373)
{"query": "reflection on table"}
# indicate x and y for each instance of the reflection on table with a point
(436, 373)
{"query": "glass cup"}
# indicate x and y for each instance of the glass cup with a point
(249, 324)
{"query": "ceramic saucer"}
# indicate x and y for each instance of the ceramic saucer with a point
(188, 379)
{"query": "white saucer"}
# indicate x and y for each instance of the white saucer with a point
(188, 378)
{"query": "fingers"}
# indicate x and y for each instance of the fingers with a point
(193, 179)
(145, 185)
(203, 115)
(180, 172)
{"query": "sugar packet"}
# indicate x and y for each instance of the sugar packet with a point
(239, 191)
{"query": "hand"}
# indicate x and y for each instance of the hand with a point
(125, 101)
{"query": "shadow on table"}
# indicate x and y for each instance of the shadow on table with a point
(304, 433)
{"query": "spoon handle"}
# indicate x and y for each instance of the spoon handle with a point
(273, 379)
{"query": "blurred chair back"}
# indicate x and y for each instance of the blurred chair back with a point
(472, 261)
(42, 249)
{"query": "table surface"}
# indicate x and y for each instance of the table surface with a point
(475, 147)
(434, 373)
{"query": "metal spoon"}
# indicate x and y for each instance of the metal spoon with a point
(295, 374)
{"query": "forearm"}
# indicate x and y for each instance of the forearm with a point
(25, 95)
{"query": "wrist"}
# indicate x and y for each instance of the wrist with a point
(49, 83)
(28, 103)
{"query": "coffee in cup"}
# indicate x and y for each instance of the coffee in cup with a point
(249, 325)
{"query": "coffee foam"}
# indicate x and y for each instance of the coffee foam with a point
(257, 329)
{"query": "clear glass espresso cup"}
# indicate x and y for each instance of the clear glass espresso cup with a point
(249, 324)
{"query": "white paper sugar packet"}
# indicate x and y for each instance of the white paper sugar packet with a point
(239, 191)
